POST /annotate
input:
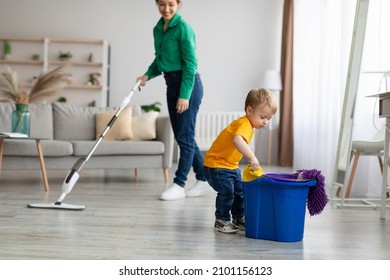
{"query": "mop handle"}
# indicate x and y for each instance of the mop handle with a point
(125, 102)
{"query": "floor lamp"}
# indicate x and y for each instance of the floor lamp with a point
(271, 80)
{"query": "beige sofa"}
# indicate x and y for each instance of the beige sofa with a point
(69, 133)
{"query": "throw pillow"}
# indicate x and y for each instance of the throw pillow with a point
(144, 126)
(120, 130)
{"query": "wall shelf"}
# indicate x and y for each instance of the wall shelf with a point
(88, 56)
(75, 63)
(13, 61)
(84, 87)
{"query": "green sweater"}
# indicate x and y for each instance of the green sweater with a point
(175, 51)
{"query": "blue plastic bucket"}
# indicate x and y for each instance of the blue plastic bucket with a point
(275, 207)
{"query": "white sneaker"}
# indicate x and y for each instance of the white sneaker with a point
(198, 189)
(173, 193)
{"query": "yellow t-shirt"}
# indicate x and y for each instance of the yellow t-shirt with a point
(223, 153)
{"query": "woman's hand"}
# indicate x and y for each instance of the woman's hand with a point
(143, 80)
(182, 105)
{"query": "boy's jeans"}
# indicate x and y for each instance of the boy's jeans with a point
(230, 196)
(183, 126)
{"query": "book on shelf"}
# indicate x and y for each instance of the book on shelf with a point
(13, 135)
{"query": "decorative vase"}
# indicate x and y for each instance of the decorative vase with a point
(21, 119)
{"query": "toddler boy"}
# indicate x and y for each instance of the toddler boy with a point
(222, 159)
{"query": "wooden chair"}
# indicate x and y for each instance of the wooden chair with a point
(374, 147)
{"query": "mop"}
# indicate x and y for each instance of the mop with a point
(74, 173)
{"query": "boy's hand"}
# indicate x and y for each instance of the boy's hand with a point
(255, 168)
(254, 163)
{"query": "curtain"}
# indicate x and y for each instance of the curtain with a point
(322, 40)
(286, 139)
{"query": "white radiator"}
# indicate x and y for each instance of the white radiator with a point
(210, 124)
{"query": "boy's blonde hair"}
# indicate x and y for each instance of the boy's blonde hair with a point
(261, 96)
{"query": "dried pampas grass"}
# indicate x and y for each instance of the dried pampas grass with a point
(9, 87)
(47, 85)
(22, 97)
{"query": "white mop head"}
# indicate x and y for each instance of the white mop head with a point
(56, 205)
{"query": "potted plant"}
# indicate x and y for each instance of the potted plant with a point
(151, 107)
(7, 50)
(65, 55)
(62, 99)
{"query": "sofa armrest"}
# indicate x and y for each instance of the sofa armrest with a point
(164, 133)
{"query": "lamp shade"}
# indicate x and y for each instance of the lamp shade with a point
(271, 80)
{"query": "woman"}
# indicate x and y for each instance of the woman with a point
(175, 58)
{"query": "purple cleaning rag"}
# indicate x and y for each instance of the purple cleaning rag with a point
(317, 198)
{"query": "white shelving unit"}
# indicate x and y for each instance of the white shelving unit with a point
(80, 66)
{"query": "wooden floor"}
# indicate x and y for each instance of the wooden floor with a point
(125, 220)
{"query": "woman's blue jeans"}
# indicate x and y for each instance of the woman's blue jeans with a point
(230, 197)
(183, 126)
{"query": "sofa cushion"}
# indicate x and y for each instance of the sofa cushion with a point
(144, 126)
(50, 148)
(6, 110)
(136, 109)
(41, 122)
(73, 122)
(119, 130)
(41, 119)
(82, 148)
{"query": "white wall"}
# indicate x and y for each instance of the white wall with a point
(237, 40)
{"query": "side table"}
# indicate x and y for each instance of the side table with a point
(40, 155)
(384, 112)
